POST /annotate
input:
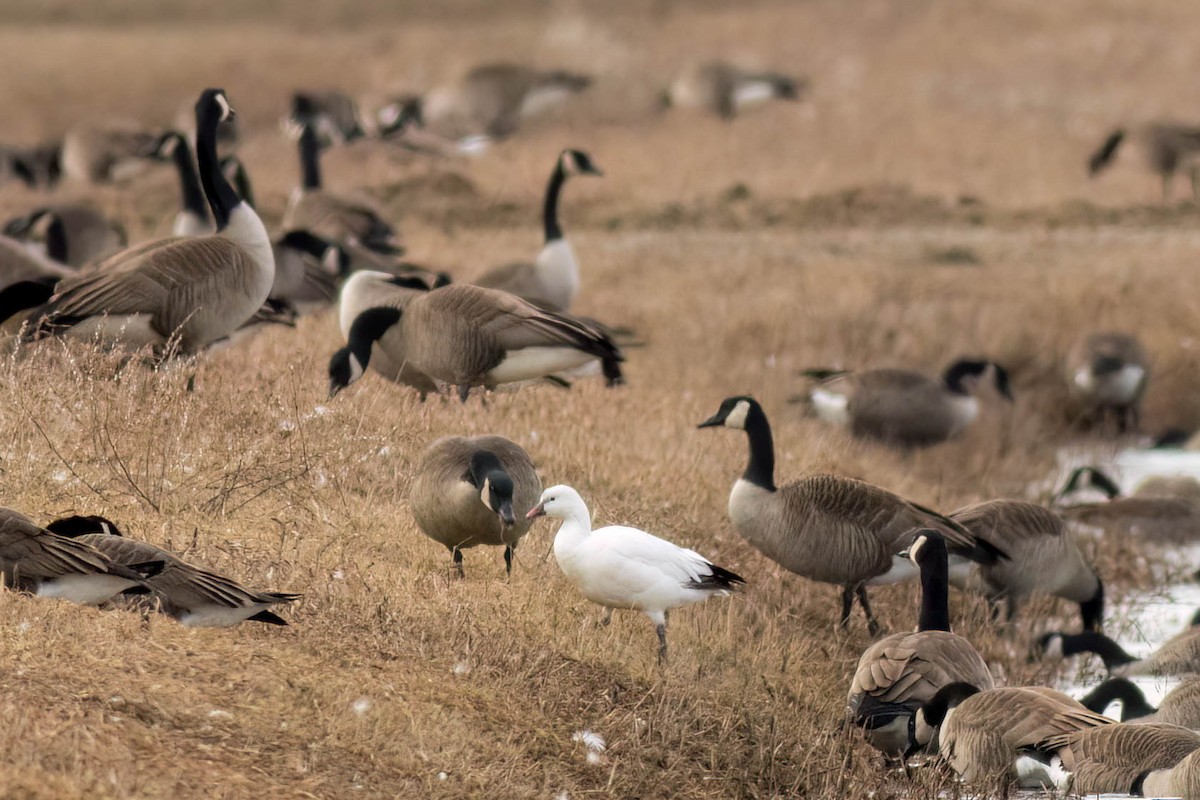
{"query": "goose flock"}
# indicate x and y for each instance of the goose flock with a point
(70, 273)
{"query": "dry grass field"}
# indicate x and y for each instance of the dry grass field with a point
(927, 200)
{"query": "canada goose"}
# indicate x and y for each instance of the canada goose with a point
(552, 280)
(473, 491)
(1107, 372)
(107, 151)
(1181, 706)
(19, 263)
(198, 289)
(467, 336)
(334, 114)
(1181, 780)
(192, 218)
(1116, 758)
(228, 131)
(345, 220)
(907, 408)
(723, 89)
(69, 233)
(367, 289)
(34, 560)
(902, 671)
(827, 528)
(1043, 556)
(1167, 148)
(620, 567)
(1179, 655)
(1160, 511)
(491, 99)
(194, 596)
(983, 734)
(37, 166)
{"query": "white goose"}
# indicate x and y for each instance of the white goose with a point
(620, 567)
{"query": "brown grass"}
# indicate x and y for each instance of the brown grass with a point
(829, 233)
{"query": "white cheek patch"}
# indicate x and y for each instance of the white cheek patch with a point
(916, 548)
(570, 165)
(485, 494)
(389, 115)
(356, 368)
(332, 261)
(737, 417)
(225, 109)
(104, 528)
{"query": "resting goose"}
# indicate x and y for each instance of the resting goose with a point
(621, 567)
(906, 408)
(465, 336)
(32, 559)
(199, 289)
(107, 151)
(552, 280)
(899, 673)
(473, 491)
(724, 89)
(827, 528)
(69, 233)
(1107, 373)
(1043, 556)
(195, 597)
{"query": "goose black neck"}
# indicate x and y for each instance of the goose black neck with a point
(24, 295)
(310, 158)
(761, 469)
(192, 195)
(368, 327)
(550, 209)
(232, 165)
(56, 239)
(935, 593)
(1111, 653)
(1133, 702)
(1092, 610)
(222, 199)
(946, 698)
(484, 465)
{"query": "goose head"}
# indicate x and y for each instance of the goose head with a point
(733, 413)
(577, 162)
(924, 724)
(350, 362)
(927, 550)
(213, 105)
(560, 502)
(966, 376)
(495, 486)
(81, 525)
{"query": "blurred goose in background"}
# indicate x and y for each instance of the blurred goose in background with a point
(194, 596)
(551, 281)
(21, 263)
(1043, 556)
(791, 524)
(1163, 509)
(622, 567)
(37, 166)
(229, 131)
(334, 115)
(1179, 655)
(192, 219)
(724, 89)
(1167, 148)
(985, 735)
(1181, 706)
(465, 336)
(899, 673)
(345, 220)
(906, 408)
(472, 491)
(35, 560)
(490, 100)
(199, 289)
(107, 151)
(69, 233)
(1117, 758)
(1107, 373)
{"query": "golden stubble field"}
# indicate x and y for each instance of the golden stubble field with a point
(928, 201)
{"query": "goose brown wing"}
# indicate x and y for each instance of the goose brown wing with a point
(1006, 522)
(32, 552)
(909, 668)
(124, 550)
(1110, 758)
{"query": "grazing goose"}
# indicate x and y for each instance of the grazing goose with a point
(1181, 706)
(899, 673)
(473, 491)
(490, 100)
(621, 567)
(192, 218)
(1107, 373)
(69, 233)
(348, 221)
(199, 289)
(552, 280)
(1043, 556)
(724, 89)
(334, 114)
(104, 152)
(903, 407)
(983, 735)
(1167, 148)
(467, 336)
(34, 560)
(827, 528)
(1181, 780)
(1116, 758)
(366, 289)
(1160, 511)
(194, 596)
(1179, 655)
